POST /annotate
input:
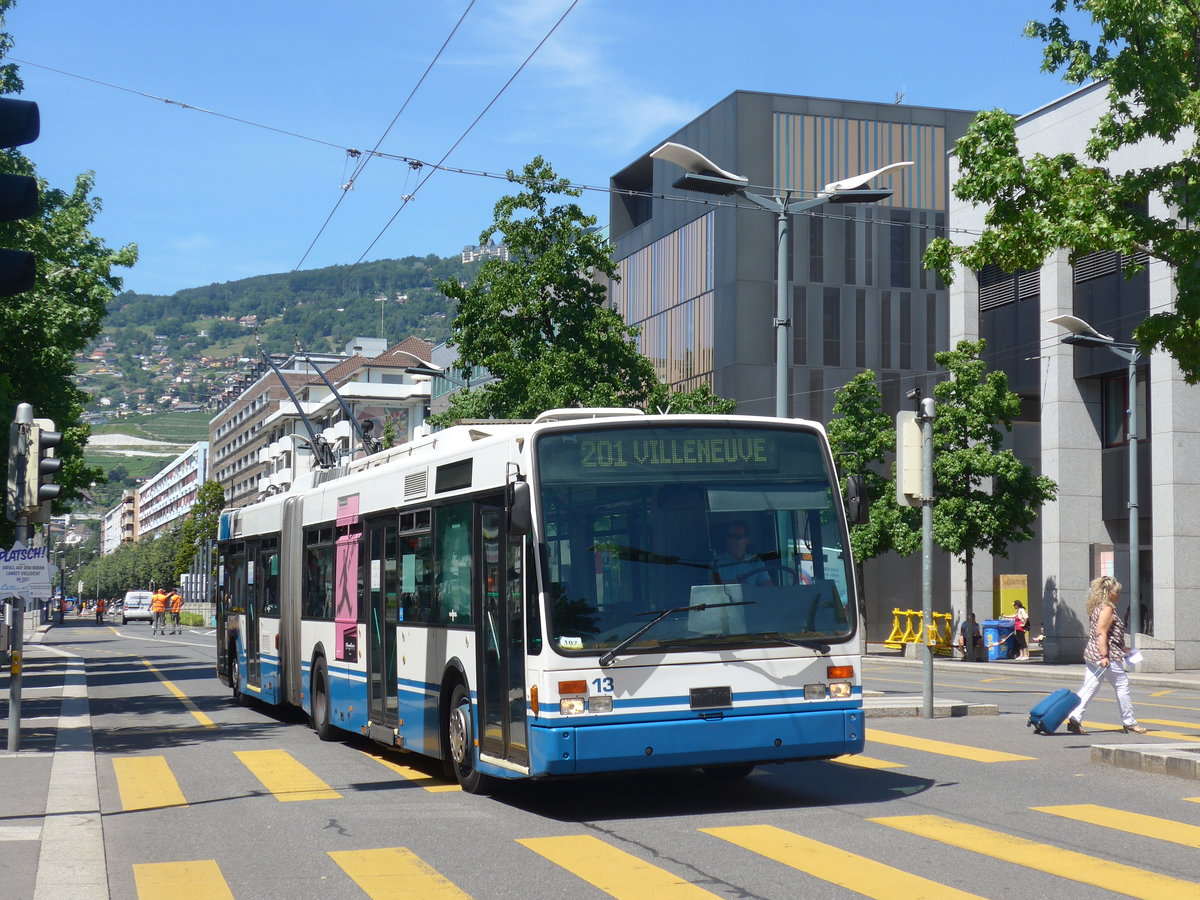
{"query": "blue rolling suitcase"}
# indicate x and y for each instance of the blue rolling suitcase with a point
(1052, 710)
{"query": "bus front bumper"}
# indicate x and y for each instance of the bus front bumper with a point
(587, 748)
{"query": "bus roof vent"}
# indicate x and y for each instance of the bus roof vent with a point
(416, 485)
(566, 415)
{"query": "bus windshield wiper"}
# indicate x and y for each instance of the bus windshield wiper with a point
(608, 658)
(819, 646)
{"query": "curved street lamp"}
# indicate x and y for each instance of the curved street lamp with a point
(1084, 335)
(702, 175)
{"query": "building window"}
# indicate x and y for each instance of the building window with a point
(1115, 406)
(832, 326)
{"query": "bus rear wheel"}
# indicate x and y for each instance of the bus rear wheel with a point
(320, 701)
(460, 739)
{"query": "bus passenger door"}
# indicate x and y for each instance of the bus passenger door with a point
(383, 605)
(501, 688)
(253, 608)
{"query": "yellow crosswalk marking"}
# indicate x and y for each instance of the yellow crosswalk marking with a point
(146, 782)
(1130, 822)
(200, 879)
(284, 776)
(182, 697)
(416, 776)
(1163, 693)
(866, 762)
(1103, 727)
(617, 873)
(944, 748)
(1093, 870)
(395, 873)
(835, 865)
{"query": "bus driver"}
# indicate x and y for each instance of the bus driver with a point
(737, 565)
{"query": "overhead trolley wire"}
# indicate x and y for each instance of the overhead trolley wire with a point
(434, 168)
(363, 159)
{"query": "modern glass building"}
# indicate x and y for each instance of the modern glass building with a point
(697, 273)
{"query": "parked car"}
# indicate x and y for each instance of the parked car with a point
(136, 607)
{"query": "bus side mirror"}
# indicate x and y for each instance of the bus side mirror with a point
(857, 505)
(520, 517)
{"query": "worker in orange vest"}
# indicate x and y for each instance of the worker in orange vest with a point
(158, 608)
(175, 602)
(100, 605)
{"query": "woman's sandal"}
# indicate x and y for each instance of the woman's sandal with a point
(1136, 729)
(1074, 727)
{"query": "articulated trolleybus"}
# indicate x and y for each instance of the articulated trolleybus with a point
(593, 591)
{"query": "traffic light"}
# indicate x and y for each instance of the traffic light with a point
(41, 467)
(20, 123)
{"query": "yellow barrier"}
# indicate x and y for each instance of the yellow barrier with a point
(908, 625)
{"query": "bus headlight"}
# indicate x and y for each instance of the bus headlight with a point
(602, 703)
(840, 690)
(572, 706)
(814, 692)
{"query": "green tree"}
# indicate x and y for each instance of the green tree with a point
(538, 320)
(200, 526)
(42, 329)
(986, 498)
(1089, 202)
(860, 435)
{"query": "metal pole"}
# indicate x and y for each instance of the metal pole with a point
(1135, 588)
(925, 414)
(16, 629)
(781, 321)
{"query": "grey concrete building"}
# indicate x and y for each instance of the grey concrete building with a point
(1074, 419)
(698, 275)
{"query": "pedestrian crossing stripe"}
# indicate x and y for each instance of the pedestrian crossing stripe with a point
(146, 782)
(183, 698)
(285, 776)
(943, 748)
(395, 873)
(1130, 822)
(1096, 871)
(835, 865)
(1105, 728)
(172, 880)
(416, 776)
(619, 874)
(866, 762)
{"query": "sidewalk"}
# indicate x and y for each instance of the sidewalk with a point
(51, 843)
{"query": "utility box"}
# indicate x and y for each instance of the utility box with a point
(1006, 589)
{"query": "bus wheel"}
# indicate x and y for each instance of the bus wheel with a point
(731, 772)
(320, 701)
(460, 738)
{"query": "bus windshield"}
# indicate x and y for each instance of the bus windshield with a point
(737, 528)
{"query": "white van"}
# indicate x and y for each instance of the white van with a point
(137, 607)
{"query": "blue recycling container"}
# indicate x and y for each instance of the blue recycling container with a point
(998, 638)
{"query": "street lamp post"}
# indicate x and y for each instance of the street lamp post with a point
(706, 177)
(1084, 335)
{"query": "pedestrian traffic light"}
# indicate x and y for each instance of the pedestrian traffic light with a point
(42, 466)
(20, 123)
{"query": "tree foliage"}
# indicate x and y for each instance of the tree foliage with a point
(538, 322)
(42, 329)
(200, 526)
(861, 435)
(1089, 202)
(986, 498)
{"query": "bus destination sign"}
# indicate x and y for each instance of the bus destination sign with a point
(630, 453)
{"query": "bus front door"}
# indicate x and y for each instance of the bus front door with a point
(501, 644)
(383, 605)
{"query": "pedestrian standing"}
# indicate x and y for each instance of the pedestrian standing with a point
(1105, 655)
(175, 604)
(158, 610)
(1021, 629)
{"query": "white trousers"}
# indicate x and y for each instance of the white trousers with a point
(1114, 672)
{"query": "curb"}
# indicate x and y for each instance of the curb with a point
(1069, 672)
(1158, 759)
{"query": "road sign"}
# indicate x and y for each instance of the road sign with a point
(25, 572)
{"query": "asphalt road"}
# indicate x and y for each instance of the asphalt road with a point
(201, 797)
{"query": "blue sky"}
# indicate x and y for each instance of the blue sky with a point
(208, 199)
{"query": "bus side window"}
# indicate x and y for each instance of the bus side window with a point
(452, 562)
(416, 587)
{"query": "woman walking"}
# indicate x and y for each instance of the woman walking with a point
(1105, 655)
(1021, 629)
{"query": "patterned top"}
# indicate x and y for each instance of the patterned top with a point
(1116, 636)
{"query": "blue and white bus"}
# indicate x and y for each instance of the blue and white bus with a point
(559, 597)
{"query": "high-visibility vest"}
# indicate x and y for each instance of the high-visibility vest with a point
(158, 603)
(176, 602)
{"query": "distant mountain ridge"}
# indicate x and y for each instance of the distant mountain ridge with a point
(326, 308)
